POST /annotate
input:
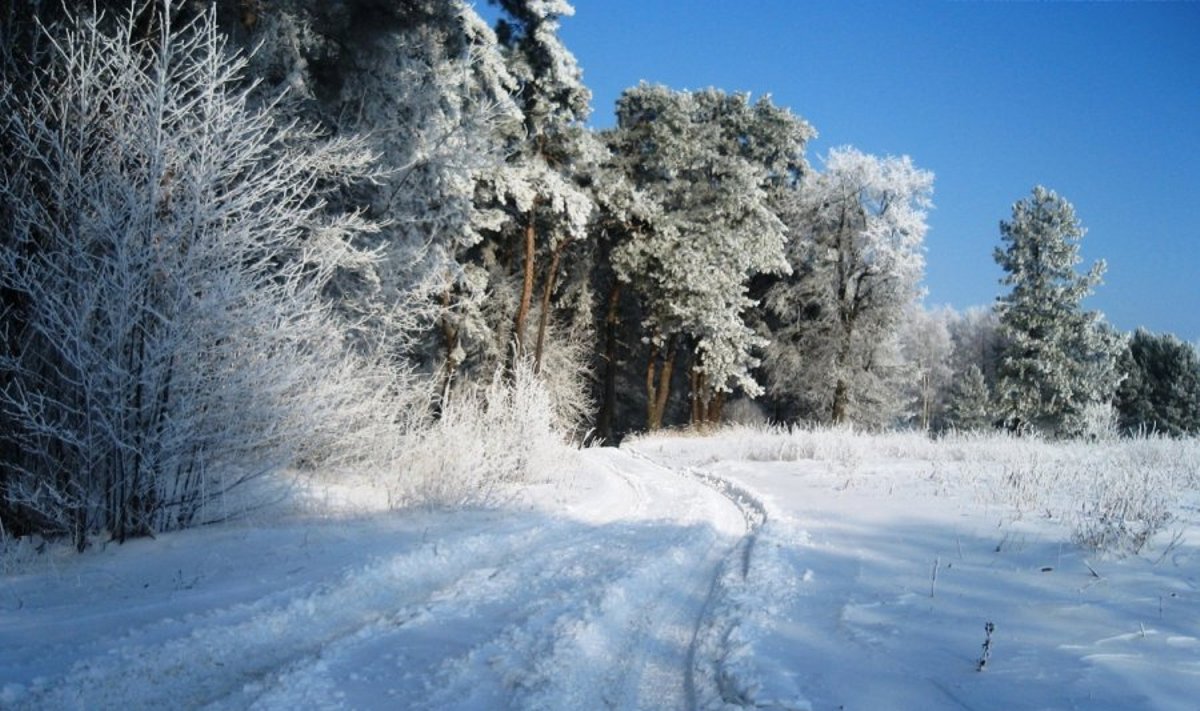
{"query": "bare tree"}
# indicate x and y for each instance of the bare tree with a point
(165, 248)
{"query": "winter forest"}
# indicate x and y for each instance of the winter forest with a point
(241, 236)
(345, 364)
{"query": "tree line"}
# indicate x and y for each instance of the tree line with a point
(238, 235)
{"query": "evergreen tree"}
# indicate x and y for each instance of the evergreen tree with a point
(544, 189)
(707, 162)
(1160, 389)
(969, 403)
(1057, 358)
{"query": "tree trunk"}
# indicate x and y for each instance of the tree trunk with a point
(608, 404)
(715, 407)
(527, 285)
(840, 402)
(841, 392)
(651, 385)
(926, 402)
(450, 344)
(662, 391)
(547, 292)
(701, 401)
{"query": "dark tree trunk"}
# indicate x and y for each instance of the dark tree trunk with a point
(608, 403)
(526, 287)
(659, 394)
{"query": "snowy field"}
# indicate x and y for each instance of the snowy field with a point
(747, 569)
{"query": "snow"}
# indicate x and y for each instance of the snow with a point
(863, 624)
(676, 572)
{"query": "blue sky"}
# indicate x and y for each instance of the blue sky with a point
(1098, 101)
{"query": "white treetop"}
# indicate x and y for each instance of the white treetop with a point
(698, 157)
(1057, 359)
(856, 252)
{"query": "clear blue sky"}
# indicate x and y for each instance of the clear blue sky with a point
(1098, 101)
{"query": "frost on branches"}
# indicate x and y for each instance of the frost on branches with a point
(163, 251)
(856, 254)
(541, 198)
(1057, 359)
(706, 161)
(433, 97)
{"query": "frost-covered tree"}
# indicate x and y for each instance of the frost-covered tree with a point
(622, 213)
(165, 248)
(424, 81)
(1058, 359)
(857, 232)
(927, 349)
(433, 95)
(976, 339)
(707, 162)
(1160, 386)
(969, 401)
(542, 192)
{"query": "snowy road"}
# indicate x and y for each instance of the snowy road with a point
(611, 605)
(627, 584)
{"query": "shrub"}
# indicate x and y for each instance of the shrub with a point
(163, 251)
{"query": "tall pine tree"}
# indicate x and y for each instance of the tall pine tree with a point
(1057, 358)
(708, 162)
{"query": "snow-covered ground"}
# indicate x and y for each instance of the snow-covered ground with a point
(677, 572)
(859, 527)
(594, 592)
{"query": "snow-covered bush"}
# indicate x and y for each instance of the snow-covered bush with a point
(163, 254)
(485, 439)
(565, 374)
(746, 412)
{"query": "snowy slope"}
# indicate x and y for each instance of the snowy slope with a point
(675, 573)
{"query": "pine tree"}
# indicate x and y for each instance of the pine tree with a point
(433, 95)
(1057, 359)
(1160, 389)
(968, 405)
(543, 190)
(707, 162)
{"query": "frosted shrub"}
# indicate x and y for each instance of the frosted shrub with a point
(1124, 501)
(1099, 421)
(486, 439)
(565, 376)
(164, 249)
(746, 412)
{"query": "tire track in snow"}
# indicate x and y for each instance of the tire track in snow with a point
(710, 680)
(501, 629)
(226, 651)
(622, 638)
(535, 613)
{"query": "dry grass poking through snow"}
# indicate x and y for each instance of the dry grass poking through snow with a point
(1114, 494)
